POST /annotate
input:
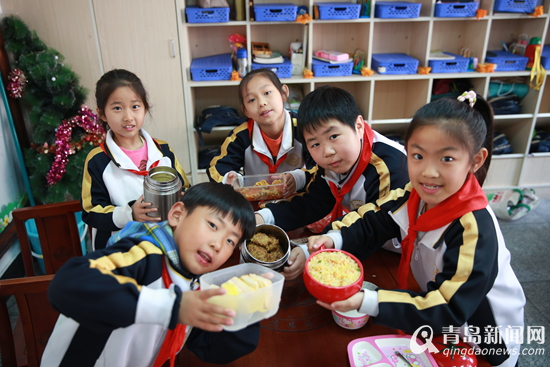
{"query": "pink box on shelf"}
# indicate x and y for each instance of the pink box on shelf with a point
(332, 55)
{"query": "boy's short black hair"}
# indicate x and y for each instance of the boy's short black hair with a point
(225, 200)
(323, 104)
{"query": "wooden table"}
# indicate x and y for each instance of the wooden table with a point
(303, 333)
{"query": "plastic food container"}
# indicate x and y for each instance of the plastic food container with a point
(261, 187)
(284, 242)
(249, 307)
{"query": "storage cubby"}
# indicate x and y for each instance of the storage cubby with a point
(404, 96)
(278, 37)
(401, 36)
(341, 36)
(536, 172)
(388, 101)
(544, 108)
(518, 133)
(359, 90)
(451, 35)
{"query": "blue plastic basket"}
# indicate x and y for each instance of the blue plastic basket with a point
(506, 61)
(322, 68)
(394, 63)
(457, 65)
(394, 9)
(338, 10)
(216, 67)
(275, 12)
(545, 57)
(283, 70)
(515, 6)
(206, 15)
(32, 232)
(456, 10)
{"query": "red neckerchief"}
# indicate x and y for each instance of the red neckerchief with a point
(470, 197)
(272, 167)
(173, 342)
(364, 159)
(141, 173)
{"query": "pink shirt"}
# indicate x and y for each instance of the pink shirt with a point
(139, 157)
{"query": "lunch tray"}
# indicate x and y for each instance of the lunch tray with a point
(283, 70)
(394, 63)
(506, 61)
(515, 6)
(381, 351)
(206, 15)
(457, 65)
(456, 10)
(216, 67)
(322, 68)
(275, 12)
(393, 9)
(338, 10)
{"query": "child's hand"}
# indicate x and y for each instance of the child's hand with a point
(196, 311)
(259, 219)
(140, 210)
(296, 262)
(315, 242)
(290, 186)
(352, 303)
(231, 176)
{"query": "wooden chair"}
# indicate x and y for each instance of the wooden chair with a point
(57, 231)
(37, 319)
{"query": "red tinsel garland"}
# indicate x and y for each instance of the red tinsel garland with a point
(63, 147)
(17, 81)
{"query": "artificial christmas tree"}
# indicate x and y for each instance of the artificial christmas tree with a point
(63, 131)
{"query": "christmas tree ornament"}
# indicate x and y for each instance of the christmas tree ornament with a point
(17, 81)
(86, 120)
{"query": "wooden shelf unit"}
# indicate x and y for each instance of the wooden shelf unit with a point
(388, 101)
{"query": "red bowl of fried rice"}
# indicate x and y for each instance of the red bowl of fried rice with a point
(332, 275)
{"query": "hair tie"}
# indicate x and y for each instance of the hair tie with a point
(470, 96)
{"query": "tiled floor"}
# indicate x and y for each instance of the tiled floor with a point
(528, 240)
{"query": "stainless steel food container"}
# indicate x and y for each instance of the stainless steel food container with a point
(161, 188)
(284, 241)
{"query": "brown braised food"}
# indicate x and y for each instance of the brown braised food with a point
(265, 247)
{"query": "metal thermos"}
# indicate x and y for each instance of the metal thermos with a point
(161, 188)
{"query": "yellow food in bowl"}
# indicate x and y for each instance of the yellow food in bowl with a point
(245, 284)
(333, 268)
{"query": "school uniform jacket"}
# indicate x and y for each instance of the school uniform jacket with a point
(386, 171)
(115, 311)
(241, 149)
(109, 188)
(463, 269)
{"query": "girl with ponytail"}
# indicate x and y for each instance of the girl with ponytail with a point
(452, 243)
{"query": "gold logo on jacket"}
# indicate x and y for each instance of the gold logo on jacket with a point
(293, 159)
